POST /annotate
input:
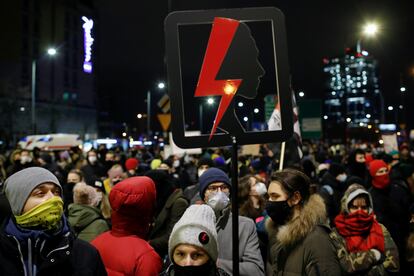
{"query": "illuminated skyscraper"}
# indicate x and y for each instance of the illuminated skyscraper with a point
(353, 97)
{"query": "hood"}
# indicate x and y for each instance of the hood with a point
(80, 216)
(313, 213)
(132, 201)
(351, 193)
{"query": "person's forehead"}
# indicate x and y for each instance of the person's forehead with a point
(46, 185)
(275, 187)
(73, 175)
(216, 184)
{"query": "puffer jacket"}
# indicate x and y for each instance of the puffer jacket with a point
(124, 249)
(86, 221)
(302, 246)
(35, 252)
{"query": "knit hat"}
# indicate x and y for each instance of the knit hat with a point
(353, 192)
(375, 165)
(196, 227)
(155, 164)
(85, 195)
(210, 176)
(336, 169)
(19, 186)
(131, 164)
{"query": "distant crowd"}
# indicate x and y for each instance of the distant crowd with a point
(332, 210)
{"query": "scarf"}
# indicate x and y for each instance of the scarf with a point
(361, 231)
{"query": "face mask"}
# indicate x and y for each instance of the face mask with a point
(278, 211)
(341, 177)
(218, 201)
(381, 182)
(46, 215)
(25, 159)
(261, 189)
(192, 270)
(176, 163)
(92, 159)
(200, 172)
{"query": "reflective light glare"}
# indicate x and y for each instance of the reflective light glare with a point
(390, 108)
(368, 116)
(370, 29)
(402, 89)
(245, 119)
(398, 133)
(210, 100)
(369, 126)
(301, 94)
(256, 110)
(135, 143)
(51, 51)
(348, 120)
(229, 89)
(361, 124)
(333, 93)
(381, 141)
(325, 117)
(106, 141)
(139, 116)
(161, 85)
(124, 134)
(240, 104)
(364, 53)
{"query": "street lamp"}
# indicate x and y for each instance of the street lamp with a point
(160, 85)
(368, 30)
(210, 101)
(50, 52)
(301, 94)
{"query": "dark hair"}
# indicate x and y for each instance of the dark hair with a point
(244, 188)
(78, 172)
(293, 181)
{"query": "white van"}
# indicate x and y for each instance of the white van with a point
(58, 141)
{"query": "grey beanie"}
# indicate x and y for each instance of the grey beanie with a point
(196, 227)
(19, 186)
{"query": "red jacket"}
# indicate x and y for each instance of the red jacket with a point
(124, 249)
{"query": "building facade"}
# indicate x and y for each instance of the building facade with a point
(65, 98)
(352, 97)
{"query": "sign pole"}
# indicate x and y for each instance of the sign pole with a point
(235, 207)
(282, 156)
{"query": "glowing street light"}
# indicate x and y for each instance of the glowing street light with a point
(256, 110)
(139, 116)
(161, 85)
(210, 101)
(348, 120)
(245, 119)
(51, 51)
(301, 94)
(390, 108)
(370, 29)
(241, 104)
(325, 117)
(402, 89)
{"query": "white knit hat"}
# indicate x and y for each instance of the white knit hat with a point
(196, 227)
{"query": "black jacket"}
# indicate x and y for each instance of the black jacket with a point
(66, 256)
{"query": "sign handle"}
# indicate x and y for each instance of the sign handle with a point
(282, 156)
(235, 206)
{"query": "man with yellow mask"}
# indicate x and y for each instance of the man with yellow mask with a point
(36, 239)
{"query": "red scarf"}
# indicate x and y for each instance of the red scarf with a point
(381, 181)
(361, 231)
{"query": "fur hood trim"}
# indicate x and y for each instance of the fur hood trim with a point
(312, 214)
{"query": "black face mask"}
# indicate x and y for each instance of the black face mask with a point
(200, 270)
(279, 211)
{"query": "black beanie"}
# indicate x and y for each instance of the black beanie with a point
(336, 169)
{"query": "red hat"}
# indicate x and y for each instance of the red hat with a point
(375, 165)
(131, 164)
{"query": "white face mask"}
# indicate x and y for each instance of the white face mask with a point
(261, 189)
(200, 172)
(341, 177)
(176, 163)
(218, 201)
(25, 159)
(92, 159)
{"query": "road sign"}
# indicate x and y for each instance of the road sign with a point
(165, 120)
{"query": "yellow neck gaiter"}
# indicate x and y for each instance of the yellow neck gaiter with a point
(46, 215)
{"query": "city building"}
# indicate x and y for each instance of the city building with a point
(352, 97)
(55, 41)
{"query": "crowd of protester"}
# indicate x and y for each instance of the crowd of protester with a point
(338, 210)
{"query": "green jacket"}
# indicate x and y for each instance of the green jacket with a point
(86, 221)
(171, 212)
(364, 262)
(302, 246)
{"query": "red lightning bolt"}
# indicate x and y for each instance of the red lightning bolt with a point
(221, 36)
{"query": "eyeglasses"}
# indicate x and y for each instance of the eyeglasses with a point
(222, 187)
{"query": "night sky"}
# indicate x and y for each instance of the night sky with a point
(131, 46)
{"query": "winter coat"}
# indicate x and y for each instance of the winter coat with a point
(251, 262)
(87, 221)
(303, 246)
(364, 262)
(332, 191)
(172, 211)
(124, 249)
(59, 254)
